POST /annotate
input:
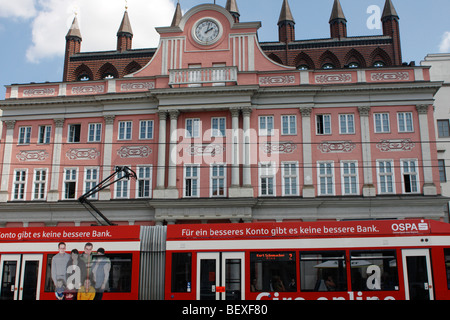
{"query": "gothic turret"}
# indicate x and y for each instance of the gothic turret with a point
(232, 7)
(286, 24)
(391, 28)
(125, 34)
(338, 22)
(73, 45)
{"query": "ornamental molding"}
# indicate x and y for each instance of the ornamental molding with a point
(83, 154)
(33, 155)
(210, 149)
(92, 89)
(334, 78)
(287, 147)
(276, 80)
(137, 86)
(336, 146)
(41, 92)
(396, 145)
(134, 152)
(390, 76)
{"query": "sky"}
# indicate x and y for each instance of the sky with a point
(32, 32)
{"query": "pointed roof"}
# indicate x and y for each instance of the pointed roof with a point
(177, 16)
(337, 13)
(125, 26)
(286, 14)
(74, 31)
(232, 7)
(389, 10)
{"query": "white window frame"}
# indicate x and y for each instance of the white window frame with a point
(146, 179)
(263, 125)
(325, 130)
(348, 175)
(347, 123)
(290, 125)
(326, 176)
(39, 185)
(71, 135)
(191, 177)
(403, 122)
(125, 130)
(97, 132)
(382, 123)
(45, 134)
(90, 182)
(19, 192)
(218, 131)
(195, 128)
(405, 171)
(120, 184)
(267, 171)
(293, 165)
(146, 131)
(70, 180)
(219, 178)
(24, 135)
(382, 173)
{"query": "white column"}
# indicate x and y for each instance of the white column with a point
(173, 148)
(429, 188)
(105, 194)
(308, 186)
(235, 181)
(161, 172)
(247, 177)
(7, 160)
(53, 194)
(368, 186)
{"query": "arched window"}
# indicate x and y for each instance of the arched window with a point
(303, 67)
(379, 64)
(353, 65)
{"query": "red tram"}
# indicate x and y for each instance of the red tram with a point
(347, 260)
(352, 260)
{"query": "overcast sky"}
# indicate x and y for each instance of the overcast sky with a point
(32, 32)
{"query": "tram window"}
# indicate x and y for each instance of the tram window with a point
(273, 271)
(323, 271)
(120, 273)
(374, 270)
(447, 266)
(181, 272)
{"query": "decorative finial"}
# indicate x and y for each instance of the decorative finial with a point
(126, 5)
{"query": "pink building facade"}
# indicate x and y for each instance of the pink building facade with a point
(216, 131)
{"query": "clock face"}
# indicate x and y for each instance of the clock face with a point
(207, 32)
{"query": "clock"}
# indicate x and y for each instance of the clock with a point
(207, 31)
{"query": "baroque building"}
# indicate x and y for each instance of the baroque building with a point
(219, 127)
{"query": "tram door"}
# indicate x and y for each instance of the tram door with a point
(220, 276)
(20, 276)
(418, 276)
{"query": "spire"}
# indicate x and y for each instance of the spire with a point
(338, 22)
(74, 31)
(177, 16)
(389, 11)
(125, 33)
(125, 26)
(286, 14)
(337, 13)
(232, 7)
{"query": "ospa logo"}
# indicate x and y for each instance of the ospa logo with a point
(409, 226)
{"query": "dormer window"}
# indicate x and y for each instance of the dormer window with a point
(83, 77)
(328, 66)
(108, 76)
